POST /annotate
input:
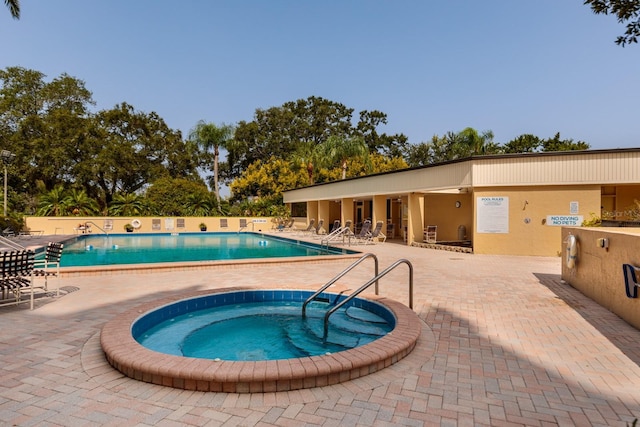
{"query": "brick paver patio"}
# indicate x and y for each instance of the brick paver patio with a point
(504, 342)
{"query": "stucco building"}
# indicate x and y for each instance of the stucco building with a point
(500, 204)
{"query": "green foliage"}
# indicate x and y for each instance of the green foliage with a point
(267, 179)
(627, 11)
(337, 151)
(14, 8)
(209, 136)
(301, 126)
(261, 206)
(59, 142)
(469, 142)
(126, 204)
(59, 202)
(174, 196)
(593, 221)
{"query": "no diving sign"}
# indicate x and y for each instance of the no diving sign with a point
(565, 220)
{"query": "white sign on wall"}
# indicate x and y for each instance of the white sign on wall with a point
(566, 220)
(574, 208)
(492, 214)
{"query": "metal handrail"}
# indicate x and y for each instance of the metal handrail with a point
(11, 243)
(366, 285)
(334, 234)
(247, 225)
(335, 279)
(97, 226)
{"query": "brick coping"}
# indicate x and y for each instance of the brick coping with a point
(137, 362)
(109, 270)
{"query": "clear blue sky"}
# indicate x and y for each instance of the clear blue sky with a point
(510, 66)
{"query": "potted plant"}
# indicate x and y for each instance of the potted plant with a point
(128, 228)
(203, 226)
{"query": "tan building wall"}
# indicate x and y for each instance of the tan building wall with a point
(441, 210)
(71, 225)
(528, 230)
(598, 271)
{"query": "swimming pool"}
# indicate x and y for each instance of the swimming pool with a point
(122, 249)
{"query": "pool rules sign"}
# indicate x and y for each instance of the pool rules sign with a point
(492, 214)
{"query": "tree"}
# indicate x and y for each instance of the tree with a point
(52, 203)
(78, 203)
(526, 143)
(128, 149)
(627, 11)
(14, 8)
(209, 136)
(126, 204)
(266, 179)
(367, 128)
(170, 196)
(280, 131)
(340, 150)
(557, 144)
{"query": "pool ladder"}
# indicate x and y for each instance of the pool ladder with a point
(373, 280)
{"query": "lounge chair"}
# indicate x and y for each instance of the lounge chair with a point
(50, 265)
(363, 234)
(288, 226)
(309, 228)
(376, 236)
(319, 230)
(8, 232)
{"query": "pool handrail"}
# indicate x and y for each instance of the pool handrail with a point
(340, 275)
(366, 285)
(247, 225)
(97, 226)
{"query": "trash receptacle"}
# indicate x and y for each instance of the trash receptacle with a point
(462, 232)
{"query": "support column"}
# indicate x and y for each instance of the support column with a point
(346, 211)
(312, 210)
(415, 223)
(379, 211)
(324, 212)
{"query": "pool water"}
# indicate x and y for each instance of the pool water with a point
(157, 248)
(263, 330)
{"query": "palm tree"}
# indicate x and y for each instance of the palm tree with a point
(127, 204)
(476, 143)
(339, 150)
(307, 156)
(78, 203)
(209, 136)
(52, 203)
(14, 7)
(199, 204)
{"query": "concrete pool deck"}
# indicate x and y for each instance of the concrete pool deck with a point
(504, 342)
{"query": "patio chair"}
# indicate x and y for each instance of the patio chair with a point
(430, 234)
(17, 275)
(50, 265)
